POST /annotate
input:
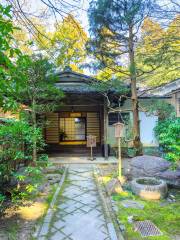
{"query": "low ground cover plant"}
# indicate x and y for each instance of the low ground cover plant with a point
(163, 214)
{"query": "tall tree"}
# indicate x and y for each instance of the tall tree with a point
(158, 49)
(114, 28)
(38, 90)
(66, 43)
(22, 40)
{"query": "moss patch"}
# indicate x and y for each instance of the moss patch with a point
(163, 214)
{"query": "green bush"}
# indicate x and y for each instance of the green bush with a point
(16, 140)
(168, 134)
(19, 176)
(27, 183)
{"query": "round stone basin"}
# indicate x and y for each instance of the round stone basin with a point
(149, 188)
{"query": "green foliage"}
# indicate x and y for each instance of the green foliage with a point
(131, 152)
(160, 108)
(38, 88)
(165, 217)
(66, 43)
(110, 25)
(16, 141)
(27, 183)
(2, 198)
(16, 148)
(158, 51)
(168, 134)
(114, 34)
(114, 85)
(8, 57)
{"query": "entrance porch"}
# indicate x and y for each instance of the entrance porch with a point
(67, 129)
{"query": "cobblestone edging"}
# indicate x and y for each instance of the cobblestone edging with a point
(109, 208)
(42, 229)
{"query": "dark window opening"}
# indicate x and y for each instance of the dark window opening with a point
(118, 117)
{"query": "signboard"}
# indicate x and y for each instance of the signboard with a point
(91, 141)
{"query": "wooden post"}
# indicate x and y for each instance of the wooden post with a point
(105, 130)
(119, 158)
(91, 142)
(118, 134)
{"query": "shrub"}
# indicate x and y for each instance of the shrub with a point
(16, 139)
(19, 178)
(168, 134)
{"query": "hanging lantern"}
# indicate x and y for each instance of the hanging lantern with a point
(118, 129)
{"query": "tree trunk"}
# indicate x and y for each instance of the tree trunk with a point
(34, 124)
(132, 67)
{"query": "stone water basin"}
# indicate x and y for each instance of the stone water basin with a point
(149, 188)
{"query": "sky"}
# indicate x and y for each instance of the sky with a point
(79, 11)
(35, 7)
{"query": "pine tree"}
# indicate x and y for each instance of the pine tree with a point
(114, 28)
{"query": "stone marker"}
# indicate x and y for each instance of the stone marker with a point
(114, 186)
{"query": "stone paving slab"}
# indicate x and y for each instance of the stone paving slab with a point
(79, 214)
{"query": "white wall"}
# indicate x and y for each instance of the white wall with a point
(147, 124)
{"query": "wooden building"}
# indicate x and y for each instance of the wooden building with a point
(83, 112)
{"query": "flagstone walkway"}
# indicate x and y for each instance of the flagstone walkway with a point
(79, 214)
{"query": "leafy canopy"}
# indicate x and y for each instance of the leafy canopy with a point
(110, 23)
(168, 134)
(9, 54)
(158, 52)
(66, 44)
(38, 89)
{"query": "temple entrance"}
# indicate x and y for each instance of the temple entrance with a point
(67, 132)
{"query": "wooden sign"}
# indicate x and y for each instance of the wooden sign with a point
(91, 141)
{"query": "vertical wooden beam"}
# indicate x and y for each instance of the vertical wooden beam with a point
(105, 129)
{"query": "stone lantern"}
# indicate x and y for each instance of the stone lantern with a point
(118, 129)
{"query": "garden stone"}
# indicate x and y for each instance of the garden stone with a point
(171, 177)
(176, 237)
(122, 227)
(42, 187)
(148, 166)
(50, 169)
(132, 204)
(130, 219)
(114, 186)
(164, 204)
(53, 178)
(170, 200)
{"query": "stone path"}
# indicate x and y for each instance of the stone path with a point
(79, 214)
